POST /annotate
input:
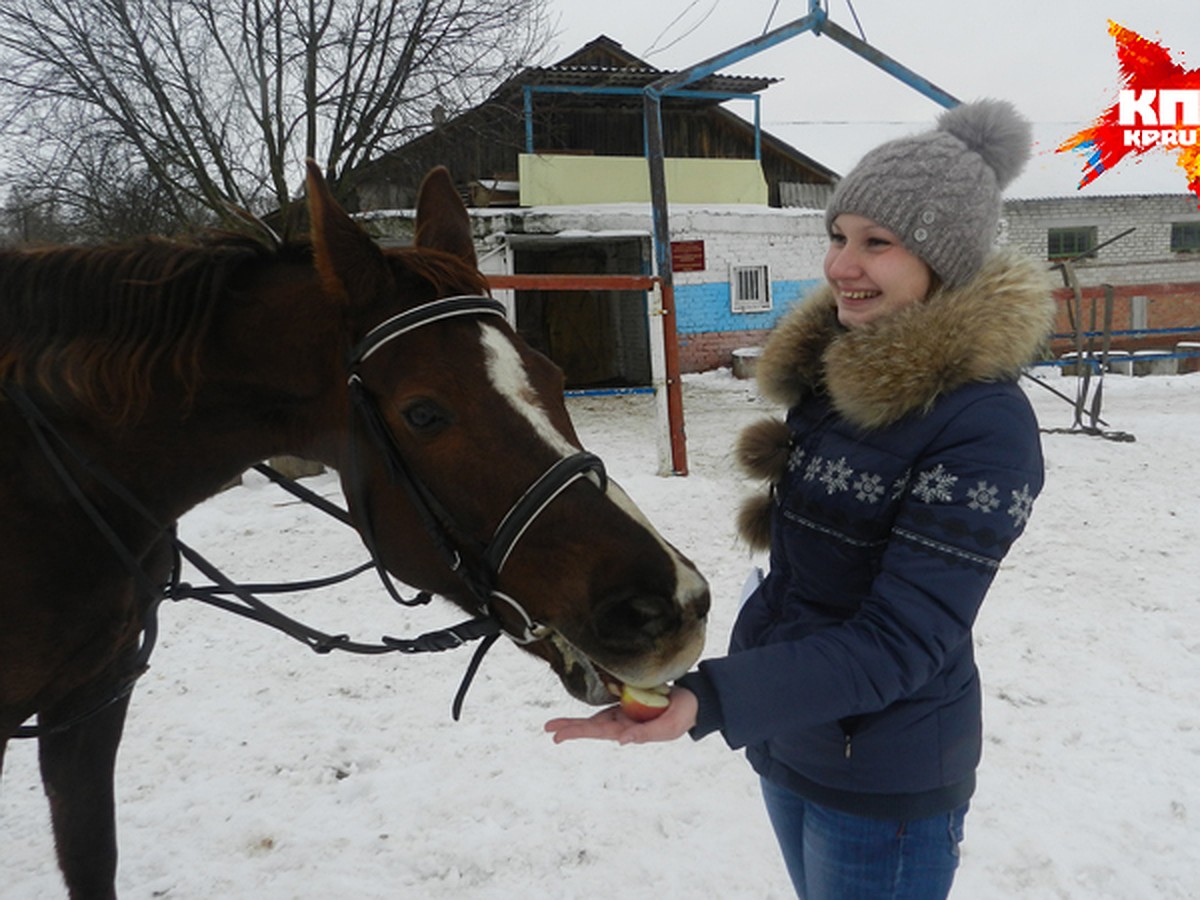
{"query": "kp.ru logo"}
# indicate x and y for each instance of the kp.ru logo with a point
(1162, 115)
(1158, 106)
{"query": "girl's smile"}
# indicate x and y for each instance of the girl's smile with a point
(871, 271)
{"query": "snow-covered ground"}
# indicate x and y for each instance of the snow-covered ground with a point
(254, 768)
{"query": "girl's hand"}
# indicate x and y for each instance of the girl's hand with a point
(611, 724)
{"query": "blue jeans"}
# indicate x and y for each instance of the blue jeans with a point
(832, 855)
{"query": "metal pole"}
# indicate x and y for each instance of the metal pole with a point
(885, 62)
(652, 106)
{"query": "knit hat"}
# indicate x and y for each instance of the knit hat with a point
(939, 191)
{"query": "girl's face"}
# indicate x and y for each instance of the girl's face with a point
(871, 271)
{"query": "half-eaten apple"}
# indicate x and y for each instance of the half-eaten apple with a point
(644, 704)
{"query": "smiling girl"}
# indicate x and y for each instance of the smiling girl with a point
(905, 469)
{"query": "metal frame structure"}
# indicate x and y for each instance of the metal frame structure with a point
(530, 89)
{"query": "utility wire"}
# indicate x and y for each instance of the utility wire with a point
(704, 18)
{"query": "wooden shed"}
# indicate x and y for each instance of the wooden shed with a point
(589, 103)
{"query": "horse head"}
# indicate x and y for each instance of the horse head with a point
(463, 470)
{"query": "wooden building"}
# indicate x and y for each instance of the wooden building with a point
(589, 103)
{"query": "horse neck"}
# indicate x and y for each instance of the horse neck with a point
(268, 382)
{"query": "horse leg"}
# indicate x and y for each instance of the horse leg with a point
(77, 771)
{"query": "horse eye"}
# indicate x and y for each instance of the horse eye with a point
(424, 416)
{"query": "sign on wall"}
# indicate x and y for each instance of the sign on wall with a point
(687, 256)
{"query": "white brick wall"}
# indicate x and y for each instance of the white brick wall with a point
(1143, 256)
(790, 242)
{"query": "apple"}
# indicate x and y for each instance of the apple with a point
(644, 704)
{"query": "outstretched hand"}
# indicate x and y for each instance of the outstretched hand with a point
(611, 724)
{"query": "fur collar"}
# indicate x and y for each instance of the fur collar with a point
(984, 330)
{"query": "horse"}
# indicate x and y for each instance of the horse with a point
(139, 379)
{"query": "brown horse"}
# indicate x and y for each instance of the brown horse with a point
(137, 380)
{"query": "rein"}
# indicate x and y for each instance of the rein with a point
(480, 578)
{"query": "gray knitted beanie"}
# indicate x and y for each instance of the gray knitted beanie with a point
(939, 191)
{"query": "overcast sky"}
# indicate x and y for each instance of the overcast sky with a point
(1053, 58)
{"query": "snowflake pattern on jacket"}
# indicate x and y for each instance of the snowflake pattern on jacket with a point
(934, 485)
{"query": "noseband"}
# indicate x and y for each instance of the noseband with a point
(478, 564)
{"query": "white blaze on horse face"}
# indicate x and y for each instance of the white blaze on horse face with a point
(508, 376)
(507, 373)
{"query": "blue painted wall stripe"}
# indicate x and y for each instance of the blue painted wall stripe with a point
(702, 308)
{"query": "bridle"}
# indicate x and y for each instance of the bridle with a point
(478, 564)
(458, 550)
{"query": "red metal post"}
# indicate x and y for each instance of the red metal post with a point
(674, 382)
(572, 282)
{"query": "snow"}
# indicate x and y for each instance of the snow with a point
(254, 768)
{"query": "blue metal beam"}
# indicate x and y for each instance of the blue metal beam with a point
(818, 22)
(889, 65)
(528, 95)
(675, 80)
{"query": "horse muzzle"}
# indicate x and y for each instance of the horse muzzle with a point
(641, 640)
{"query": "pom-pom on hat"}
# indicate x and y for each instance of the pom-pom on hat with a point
(939, 191)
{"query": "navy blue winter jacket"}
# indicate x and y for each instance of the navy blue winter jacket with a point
(906, 468)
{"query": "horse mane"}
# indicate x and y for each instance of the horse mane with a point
(91, 324)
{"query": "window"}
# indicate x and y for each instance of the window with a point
(1065, 243)
(750, 289)
(1185, 237)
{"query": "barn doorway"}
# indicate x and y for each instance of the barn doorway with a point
(600, 339)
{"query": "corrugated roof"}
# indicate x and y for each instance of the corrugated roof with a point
(637, 77)
(605, 63)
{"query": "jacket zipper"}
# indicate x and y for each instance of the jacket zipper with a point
(848, 749)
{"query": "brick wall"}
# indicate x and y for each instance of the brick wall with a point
(1139, 264)
(1141, 256)
(790, 243)
(702, 351)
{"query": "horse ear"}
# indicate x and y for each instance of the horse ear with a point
(350, 265)
(442, 220)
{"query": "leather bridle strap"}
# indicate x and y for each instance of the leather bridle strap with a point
(447, 537)
(534, 501)
(433, 311)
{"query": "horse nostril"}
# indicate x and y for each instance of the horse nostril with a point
(636, 620)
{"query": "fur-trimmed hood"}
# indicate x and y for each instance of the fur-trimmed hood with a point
(985, 330)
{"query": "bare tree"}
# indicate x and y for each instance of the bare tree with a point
(215, 101)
